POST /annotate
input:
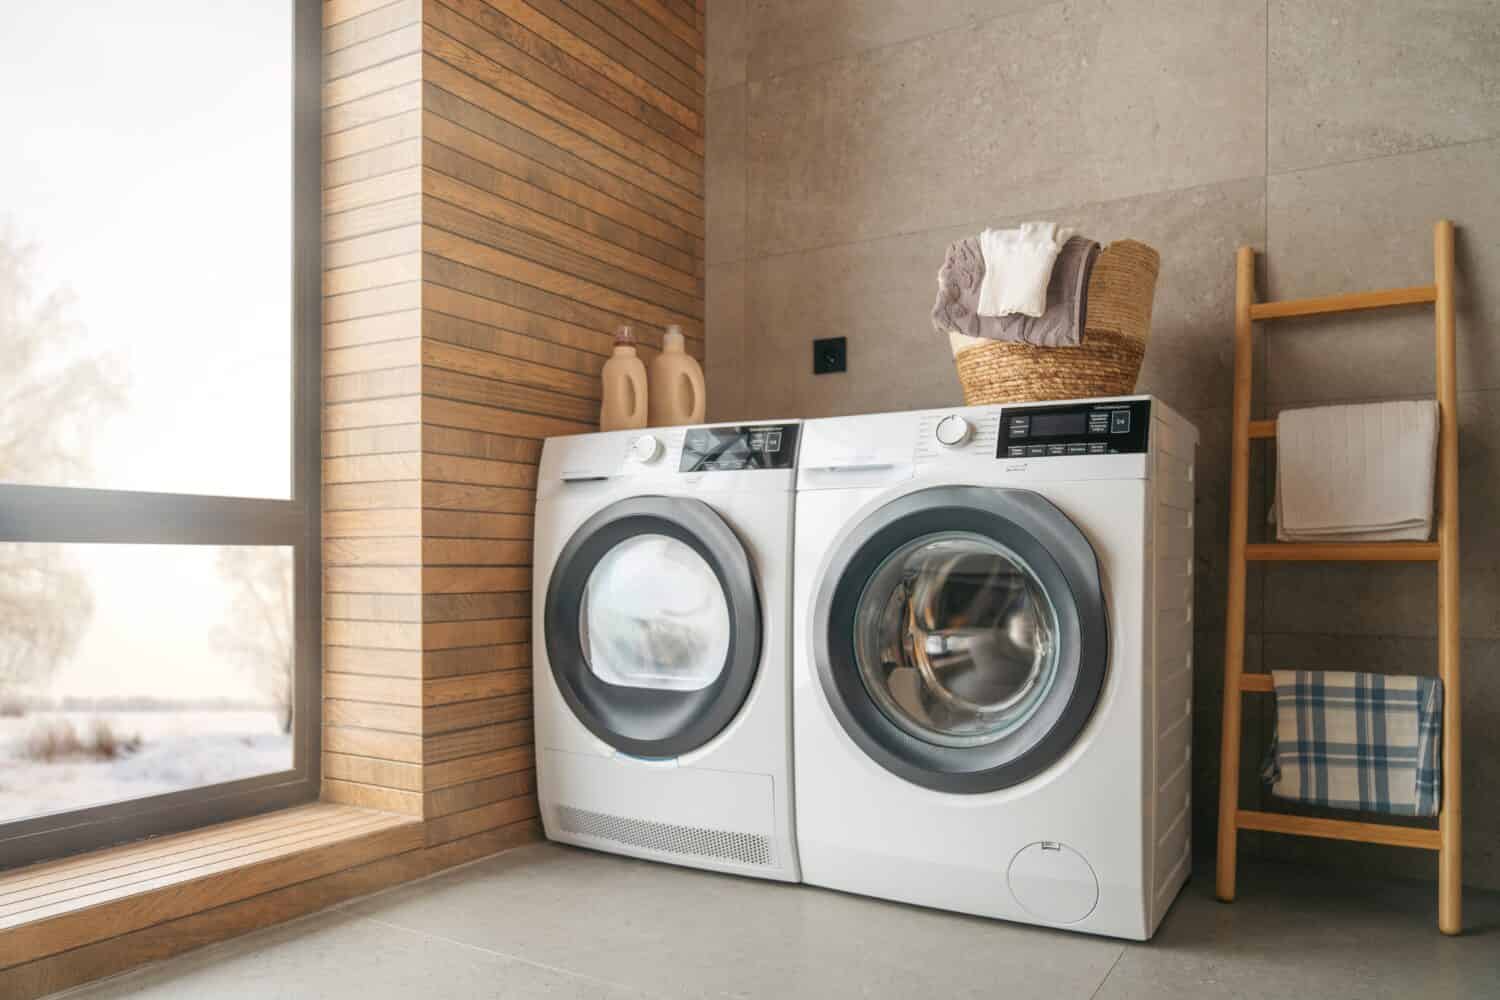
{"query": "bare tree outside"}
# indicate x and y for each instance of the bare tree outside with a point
(139, 664)
(258, 635)
(50, 395)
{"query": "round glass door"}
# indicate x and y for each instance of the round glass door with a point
(654, 616)
(960, 636)
(955, 639)
(652, 625)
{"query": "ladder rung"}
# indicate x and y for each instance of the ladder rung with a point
(1338, 829)
(1262, 429)
(1257, 682)
(1343, 552)
(1381, 299)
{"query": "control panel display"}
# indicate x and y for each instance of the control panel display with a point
(1047, 425)
(1050, 431)
(735, 449)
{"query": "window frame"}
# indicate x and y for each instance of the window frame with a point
(48, 514)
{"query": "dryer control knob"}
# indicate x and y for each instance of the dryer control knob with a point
(646, 448)
(954, 430)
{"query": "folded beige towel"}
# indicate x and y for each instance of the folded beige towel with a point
(1356, 473)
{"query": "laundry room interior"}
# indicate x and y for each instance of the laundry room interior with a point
(756, 498)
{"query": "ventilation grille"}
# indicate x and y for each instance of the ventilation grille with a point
(698, 841)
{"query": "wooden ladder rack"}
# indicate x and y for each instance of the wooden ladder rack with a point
(1446, 839)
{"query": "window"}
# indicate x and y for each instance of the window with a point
(159, 395)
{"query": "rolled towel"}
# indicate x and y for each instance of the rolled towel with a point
(1357, 741)
(1061, 323)
(1356, 473)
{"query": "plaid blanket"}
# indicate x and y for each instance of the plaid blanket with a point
(1357, 741)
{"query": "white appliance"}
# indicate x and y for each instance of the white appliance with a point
(992, 660)
(661, 610)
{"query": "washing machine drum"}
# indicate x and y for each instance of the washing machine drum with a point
(961, 637)
(653, 625)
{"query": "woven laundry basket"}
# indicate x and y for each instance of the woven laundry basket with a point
(1106, 362)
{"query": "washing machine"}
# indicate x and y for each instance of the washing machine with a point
(992, 661)
(661, 644)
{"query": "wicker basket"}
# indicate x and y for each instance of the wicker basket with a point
(1105, 363)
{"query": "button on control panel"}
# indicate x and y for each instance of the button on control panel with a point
(738, 449)
(1053, 430)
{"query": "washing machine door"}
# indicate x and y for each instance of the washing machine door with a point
(960, 636)
(653, 625)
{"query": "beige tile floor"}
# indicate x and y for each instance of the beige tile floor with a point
(550, 921)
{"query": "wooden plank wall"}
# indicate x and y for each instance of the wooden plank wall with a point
(372, 417)
(506, 182)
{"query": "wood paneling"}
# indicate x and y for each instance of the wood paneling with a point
(186, 911)
(372, 355)
(482, 243)
(505, 181)
(51, 908)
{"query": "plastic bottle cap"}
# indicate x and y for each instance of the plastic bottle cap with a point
(673, 338)
(624, 337)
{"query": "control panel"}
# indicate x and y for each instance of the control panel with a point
(1116, 427)
(735, 449)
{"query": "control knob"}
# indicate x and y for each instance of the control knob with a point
(646, 448)
(953, 430)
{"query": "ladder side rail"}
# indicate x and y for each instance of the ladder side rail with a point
(1450, 814)
(1234, 619)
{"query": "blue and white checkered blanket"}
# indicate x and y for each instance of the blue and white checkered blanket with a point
(1357, 741)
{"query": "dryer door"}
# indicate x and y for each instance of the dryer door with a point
(961, 637)
(653, 625)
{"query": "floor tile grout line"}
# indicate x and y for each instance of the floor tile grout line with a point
(496, 953)
(1109, 972)
(245, 940)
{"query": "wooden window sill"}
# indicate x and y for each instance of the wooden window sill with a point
(67, 922)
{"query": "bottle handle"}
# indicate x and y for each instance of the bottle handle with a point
(637, 382)
(697, 394)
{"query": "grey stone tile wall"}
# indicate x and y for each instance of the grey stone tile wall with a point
(849, 141)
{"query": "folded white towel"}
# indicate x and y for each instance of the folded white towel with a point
(1356, 473)
(1017, 266)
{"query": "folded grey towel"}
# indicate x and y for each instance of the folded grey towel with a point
(1061, 325)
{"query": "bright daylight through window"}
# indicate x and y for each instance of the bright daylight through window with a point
(158, 497)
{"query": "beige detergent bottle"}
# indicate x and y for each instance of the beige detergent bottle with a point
(623, 405)
(677, 391)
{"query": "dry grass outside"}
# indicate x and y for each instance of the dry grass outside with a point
(55, 740)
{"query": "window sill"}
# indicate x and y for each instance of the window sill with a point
(71, 921)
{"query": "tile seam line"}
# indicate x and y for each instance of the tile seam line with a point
(1352, 161)
(1285, 404)
(752, 257)
(1264, 458)
(495, 952)
(965, 26)
(1108, 972)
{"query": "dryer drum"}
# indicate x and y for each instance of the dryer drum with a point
(961, 636)
(653, 625)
